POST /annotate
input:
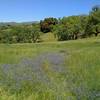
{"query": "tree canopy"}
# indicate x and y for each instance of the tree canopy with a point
(66, 28)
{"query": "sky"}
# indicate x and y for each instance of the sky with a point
(35, 10)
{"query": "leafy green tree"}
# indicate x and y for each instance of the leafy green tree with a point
(6, 36)
(73, 26)
(83, 24)
(20, 34)
(60, 31)
(35, 33)
(93, 26)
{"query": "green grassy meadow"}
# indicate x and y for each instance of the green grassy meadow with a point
(79, 81)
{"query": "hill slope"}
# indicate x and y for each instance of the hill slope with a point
(57, 70)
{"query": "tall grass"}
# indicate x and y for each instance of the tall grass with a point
(78, 78)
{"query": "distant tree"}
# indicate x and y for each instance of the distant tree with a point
(47, 24)
(73, 25)
(83, 24)
(20, 34)
(60, 31)
(6, 36)
(93, 26)
(35, 33)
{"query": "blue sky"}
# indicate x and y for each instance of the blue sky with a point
(35, 10)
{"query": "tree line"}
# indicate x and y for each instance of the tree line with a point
(66, 28)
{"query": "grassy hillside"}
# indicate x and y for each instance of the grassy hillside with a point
(50, 71)
(48, 37)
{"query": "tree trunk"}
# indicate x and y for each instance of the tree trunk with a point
(75, 37)
(96, 34)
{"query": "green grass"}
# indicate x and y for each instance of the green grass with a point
(81, 80)
(48, 37)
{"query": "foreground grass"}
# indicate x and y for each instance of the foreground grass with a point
(79, 81)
